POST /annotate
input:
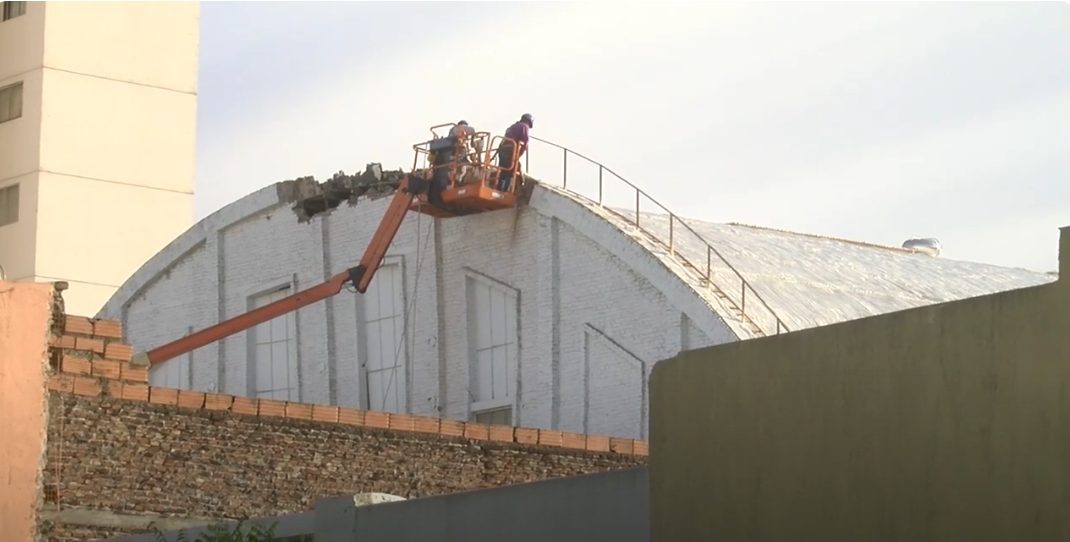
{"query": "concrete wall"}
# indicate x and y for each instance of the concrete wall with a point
(25, 319)
(949, 422)
(604, 506)
(596, 310)
(105, 144)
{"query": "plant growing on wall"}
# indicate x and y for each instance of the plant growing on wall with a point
(223, 533)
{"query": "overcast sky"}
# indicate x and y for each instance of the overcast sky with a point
(871, 121)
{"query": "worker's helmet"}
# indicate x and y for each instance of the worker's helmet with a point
(462, 123)
(526, 119)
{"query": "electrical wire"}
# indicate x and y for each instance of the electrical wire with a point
(411, 310)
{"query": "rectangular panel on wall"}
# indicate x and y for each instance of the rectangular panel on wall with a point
(273, 373)
(615, 388)
(384, 355)
(492, 324)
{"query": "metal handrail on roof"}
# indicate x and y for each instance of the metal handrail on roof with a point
(711, 252)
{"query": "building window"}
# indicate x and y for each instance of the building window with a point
(383, 356)
(492, 324)
(13, 9)
(10, 102)
(9, 205)
(273, 371)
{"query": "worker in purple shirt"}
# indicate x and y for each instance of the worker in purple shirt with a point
(518, 132)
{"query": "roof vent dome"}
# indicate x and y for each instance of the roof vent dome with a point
(928, 246)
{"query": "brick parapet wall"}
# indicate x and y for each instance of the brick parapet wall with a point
(90, 360)
(117, 444)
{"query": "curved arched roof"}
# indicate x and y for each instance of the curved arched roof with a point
(805, 280)
(678, 287)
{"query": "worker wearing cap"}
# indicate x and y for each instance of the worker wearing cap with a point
(466, 134)
(518, 132)
(466, 141)
(462, 129)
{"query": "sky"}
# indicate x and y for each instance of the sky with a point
(875, 122)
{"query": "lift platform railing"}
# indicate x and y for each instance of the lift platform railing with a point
(481, 151)
(715, 271)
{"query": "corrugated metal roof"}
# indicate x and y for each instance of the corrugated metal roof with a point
(809, 280)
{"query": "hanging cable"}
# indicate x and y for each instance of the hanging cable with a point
(411, 309)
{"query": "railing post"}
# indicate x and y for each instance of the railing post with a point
(671, 217)
(564, 182)
(600, 168)
(709, 257)
(637, 207)
(780, 325)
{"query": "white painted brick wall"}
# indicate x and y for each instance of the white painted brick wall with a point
(597, 283)
(171, 301)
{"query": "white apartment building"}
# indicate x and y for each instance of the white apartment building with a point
(97, 120)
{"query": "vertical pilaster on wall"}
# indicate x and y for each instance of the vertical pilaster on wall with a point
(1064, 257)
(685, 332)
(221, 311)
(296, 287)
(586, 382)
(555, 325)
(332, 362)
(440, 307)
(190, 360)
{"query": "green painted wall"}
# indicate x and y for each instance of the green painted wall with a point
(949, 422)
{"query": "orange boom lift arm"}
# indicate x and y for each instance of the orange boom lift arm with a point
(456, 183)
(360, 276)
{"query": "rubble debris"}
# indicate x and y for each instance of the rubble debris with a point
(312, 198)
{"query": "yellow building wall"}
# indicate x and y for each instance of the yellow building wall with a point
(118, 132)
(948, 422)
(148, 43)
(104, 152)
(22, 40)
(110, 244)
(22, 46)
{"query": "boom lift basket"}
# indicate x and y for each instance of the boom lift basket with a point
(462, 172)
